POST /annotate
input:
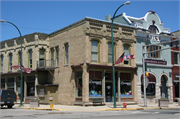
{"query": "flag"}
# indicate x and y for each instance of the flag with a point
(132, 56)
(15, 66)
(128, 56)
(120, 59)
(23, 68)
(28, 70)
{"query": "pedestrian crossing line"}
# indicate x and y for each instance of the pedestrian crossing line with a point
(155, 113)
(136, 112)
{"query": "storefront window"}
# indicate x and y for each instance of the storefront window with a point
(30, 80)
(95, 88)
(10, 83)
(126, 89)
(150, 90)
(126, 84)
(79, 84)
(95, 83)
(2, 83)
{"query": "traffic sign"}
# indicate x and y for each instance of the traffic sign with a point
(146, 82)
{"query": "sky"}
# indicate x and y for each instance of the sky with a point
(47, 16)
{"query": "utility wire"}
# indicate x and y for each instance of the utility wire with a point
(30, 28)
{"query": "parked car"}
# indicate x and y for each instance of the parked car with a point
(7, 97)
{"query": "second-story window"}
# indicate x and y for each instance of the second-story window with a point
(110, 53)
(2, 63)
(19, 59)
(57, 56)
(94, 51)
(153, 29)
(153, 54)
(10, 61)
(30, 58)
(127, 51)
(176, 58)
(42, 58)
(66, 53)
(52, 57)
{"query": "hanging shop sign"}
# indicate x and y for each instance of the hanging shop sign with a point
(160, 62)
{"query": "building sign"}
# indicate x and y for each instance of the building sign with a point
(161, 62)
(95, 82)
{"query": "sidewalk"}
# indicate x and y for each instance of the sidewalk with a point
(109, 107)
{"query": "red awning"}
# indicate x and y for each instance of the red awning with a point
(151, 77)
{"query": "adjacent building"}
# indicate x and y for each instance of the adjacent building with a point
(175, 57)
(151, 34)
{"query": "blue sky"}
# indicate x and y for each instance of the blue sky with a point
(49, 16)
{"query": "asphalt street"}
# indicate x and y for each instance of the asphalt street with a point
(16, 113)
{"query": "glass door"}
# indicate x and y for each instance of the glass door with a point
(108, 91)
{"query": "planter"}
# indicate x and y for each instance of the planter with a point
(34, 103)
(163, 102)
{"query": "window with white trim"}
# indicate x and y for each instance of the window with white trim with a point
(66, 53)
(126, 51)
(2, 58)
(176, 58)
(30, 58)
(57, 56)
(52, 57)
(94, 51)
(10, 61)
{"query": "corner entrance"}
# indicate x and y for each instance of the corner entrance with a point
(108, 90)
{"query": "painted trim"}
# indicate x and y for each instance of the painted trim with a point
(152, 65)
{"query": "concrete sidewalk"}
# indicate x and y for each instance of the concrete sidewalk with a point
(109, 107)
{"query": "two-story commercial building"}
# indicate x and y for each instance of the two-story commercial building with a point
(74, 64)
(151, 34)
(175, 57)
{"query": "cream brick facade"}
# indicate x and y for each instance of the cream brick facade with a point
(78, 36)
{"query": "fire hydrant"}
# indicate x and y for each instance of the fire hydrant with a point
(124, 104)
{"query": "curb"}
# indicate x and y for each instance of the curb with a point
(112, 109)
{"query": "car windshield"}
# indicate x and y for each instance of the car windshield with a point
(6, 92)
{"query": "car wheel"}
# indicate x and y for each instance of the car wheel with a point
(9, 106)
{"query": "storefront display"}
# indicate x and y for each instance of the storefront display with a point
(95, 88)
(126, 89)
(95, 83)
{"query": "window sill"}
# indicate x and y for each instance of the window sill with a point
(154, 58)
(9, 71)
(177, 65)
(148, 96)
(65, 65)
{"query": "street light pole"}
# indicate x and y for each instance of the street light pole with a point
(114, 89)
(21, 56)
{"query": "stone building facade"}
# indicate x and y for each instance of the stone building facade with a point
(74, 64)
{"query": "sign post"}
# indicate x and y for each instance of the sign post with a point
(51, 102)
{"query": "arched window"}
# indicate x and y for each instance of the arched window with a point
(151, 88)
(153, 29)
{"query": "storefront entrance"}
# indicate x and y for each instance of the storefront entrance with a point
(176, 84)
(108, 90)
(164, 93)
